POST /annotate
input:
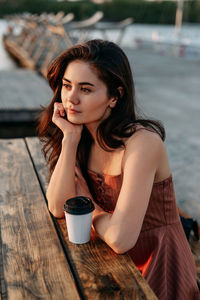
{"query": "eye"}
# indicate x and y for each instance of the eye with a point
(85, 90)
(67, 85)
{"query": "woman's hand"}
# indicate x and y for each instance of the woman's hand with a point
(60, 120)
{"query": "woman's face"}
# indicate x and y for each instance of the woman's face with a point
(84, 95)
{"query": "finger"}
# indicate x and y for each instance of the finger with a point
(58, 104)
(59, 109)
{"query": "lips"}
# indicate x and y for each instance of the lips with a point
(72, 111)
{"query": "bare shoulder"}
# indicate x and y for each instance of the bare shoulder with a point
(146, 139)
(147, 148)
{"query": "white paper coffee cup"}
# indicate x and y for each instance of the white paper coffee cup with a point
(78, 216)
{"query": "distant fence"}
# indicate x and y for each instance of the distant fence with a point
(141, 11)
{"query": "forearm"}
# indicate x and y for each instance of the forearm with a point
(111, 232)
(104, 227)
(100, 222)
(62, 182)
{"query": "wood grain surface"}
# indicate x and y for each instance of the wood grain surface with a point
(102, 273)
(34, 264)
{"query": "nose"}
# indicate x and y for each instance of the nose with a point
(73, 98)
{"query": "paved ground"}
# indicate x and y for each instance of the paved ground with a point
(168, 89)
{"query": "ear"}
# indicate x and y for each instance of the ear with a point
(113, 102)
(121, 91)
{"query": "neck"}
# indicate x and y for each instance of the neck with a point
(92, 128)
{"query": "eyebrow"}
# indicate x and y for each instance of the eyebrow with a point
(80, 83)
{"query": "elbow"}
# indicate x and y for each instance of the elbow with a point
(54, 211)
(121, 244)
(57, 214)
(119, 249)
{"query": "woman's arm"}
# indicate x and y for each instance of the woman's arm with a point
(144, 155)
(62, 182)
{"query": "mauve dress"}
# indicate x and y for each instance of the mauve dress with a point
(162, 252)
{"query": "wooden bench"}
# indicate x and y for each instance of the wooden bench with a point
(37, 261)
(41, 38)
(121, 26)
(64, 32)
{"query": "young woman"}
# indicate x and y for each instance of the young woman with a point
(97, 146)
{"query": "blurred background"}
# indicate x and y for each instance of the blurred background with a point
(162, 42)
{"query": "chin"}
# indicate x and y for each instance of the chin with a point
(74, 121)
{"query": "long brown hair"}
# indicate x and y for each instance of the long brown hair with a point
(112, 67)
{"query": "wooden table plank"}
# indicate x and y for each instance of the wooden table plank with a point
(34, 264)
(2, 282)
(102, 273)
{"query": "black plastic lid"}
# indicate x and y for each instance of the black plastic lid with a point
(78, 205)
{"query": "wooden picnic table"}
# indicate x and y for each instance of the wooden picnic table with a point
(37, 261)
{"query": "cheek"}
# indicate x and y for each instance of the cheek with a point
(95, 108)
(99, 102)
(63, 95)
(102, 106)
